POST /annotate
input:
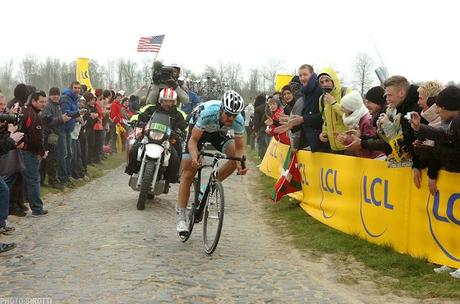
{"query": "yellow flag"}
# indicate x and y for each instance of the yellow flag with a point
(281, 80)
(83, 73)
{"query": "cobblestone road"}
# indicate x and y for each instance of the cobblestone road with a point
(95, 247)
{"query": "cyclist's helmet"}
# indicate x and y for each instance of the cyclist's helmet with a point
(167, 94)
(232, 102)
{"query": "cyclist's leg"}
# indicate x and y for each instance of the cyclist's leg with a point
(188, 173)
(186, 179)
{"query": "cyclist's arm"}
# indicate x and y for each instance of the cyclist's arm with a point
(239, 146)
(193, 143)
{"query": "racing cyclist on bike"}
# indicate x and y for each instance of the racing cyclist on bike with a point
(220, 123)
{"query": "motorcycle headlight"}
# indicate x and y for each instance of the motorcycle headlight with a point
(156, 135)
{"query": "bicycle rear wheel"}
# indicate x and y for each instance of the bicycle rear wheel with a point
(213, 217)
(191, 208)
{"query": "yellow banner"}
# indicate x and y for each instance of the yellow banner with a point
(364, 197)
(82, 73)
(281, 80)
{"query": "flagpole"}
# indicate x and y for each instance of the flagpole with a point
(151, 75)
(151, 81)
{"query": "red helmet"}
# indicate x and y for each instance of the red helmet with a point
(167, 94)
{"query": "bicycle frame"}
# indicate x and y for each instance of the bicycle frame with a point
(212, 177)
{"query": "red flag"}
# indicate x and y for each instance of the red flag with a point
(290, 179)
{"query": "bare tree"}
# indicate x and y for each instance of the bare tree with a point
(129, 75)
(7, 80)
(110, 73)
(269, 72)
(363, 72)
(29, 69)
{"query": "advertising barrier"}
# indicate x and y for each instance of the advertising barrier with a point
(364, 197)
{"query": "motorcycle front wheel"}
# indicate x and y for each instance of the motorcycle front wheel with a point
(146, 184)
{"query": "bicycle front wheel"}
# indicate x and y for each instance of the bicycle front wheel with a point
(213, 217)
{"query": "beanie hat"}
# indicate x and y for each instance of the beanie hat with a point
(324, 75)
(449, 99)
(20, 92)
(286, 88)
(352, 101)
(295, 79)
(376, 95)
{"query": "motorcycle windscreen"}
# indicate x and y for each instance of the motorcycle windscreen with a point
(160, 122)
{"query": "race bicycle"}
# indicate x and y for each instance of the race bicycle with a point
(207, 204)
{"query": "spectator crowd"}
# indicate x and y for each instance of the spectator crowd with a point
(51, 139)
(403, 123)
(406, 124)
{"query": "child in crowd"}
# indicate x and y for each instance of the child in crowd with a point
(358, 121)
(273, 121)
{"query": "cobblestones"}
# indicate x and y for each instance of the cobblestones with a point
(95, 247)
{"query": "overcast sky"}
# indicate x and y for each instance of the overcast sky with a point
(417, 39)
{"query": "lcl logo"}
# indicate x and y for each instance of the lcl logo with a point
(329, 184)
(375, 194)
(443, 213)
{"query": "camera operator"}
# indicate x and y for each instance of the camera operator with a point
(167, 77)
(8, 141)
(33, 150)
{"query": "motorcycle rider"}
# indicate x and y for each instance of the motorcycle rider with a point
(167, 102)
(214, 122)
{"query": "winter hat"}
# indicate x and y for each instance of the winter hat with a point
(286, 88)
(295, 79)
(352, 101)
(449, 99)
(376, 95)
(20, 92)
(321, 75)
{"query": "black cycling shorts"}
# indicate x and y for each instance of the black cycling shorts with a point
(219, 140)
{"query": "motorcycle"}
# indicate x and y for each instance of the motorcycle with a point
(154, 154)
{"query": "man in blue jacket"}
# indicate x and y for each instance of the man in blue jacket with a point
(69, 106)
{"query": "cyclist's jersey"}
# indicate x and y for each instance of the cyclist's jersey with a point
(207, 117)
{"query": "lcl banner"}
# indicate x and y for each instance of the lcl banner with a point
(363, 197)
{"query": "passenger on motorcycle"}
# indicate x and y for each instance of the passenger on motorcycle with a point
(166, 104)
(220, 123)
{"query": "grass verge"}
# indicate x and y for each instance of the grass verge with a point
(411, 276)
(94, 171)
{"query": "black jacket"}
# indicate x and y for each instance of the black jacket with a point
(177, 119)
(447, 144)
(408, 105)
(32, 126)
(6, 143)
(259, 117)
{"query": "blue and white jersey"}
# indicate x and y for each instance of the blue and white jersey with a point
(207, 117)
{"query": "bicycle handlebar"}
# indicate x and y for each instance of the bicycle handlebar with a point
(223, 156)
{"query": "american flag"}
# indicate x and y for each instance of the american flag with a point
(150, 44)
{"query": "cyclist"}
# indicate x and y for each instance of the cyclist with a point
(220, 123)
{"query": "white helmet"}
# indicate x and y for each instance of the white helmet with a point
(232, 102)
(167, 94)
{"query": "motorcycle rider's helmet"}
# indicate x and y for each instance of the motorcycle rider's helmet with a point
(232, 102)
(167, 94)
